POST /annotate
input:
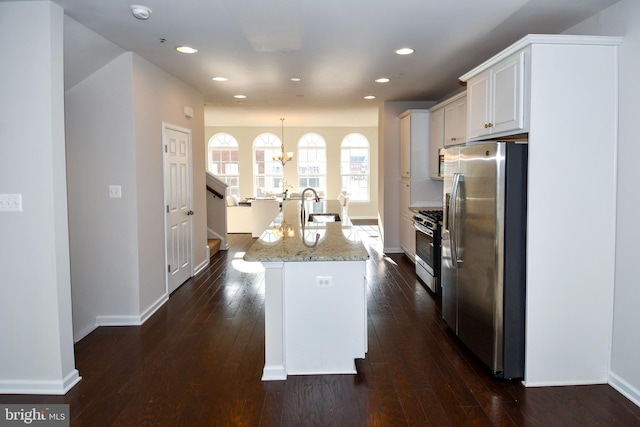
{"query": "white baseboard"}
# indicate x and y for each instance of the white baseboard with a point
(83, 333)
(128, 320)
(204, 264)
(118, 320)
(274, 373)
(563, 383)
(153, 308)
(40, 387)
(626, 389)
(393, 250)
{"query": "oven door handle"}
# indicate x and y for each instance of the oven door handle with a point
(458, 179)
(422, 229)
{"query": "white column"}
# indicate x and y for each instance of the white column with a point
(274, 363)
(35, 294)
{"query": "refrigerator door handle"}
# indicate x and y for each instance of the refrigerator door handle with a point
(458, 179)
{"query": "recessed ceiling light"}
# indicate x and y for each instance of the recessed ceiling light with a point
(370, 97)
(240, 96)
(219, 79)
(186, 49)
(295, 79)
(140, 12)
(383, 80)
(405, 51)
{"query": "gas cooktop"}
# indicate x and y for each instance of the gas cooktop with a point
(434, 215)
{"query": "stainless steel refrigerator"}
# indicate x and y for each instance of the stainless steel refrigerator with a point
(484, 251)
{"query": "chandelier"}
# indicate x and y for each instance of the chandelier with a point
(281, 157)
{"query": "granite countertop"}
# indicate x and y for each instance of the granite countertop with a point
(287, 240)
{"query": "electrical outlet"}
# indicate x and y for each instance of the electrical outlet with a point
(324, 281)
(115, 191)
(10, 202)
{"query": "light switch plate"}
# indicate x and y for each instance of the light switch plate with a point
(10, 202)
(115, 191)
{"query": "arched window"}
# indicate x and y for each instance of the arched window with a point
(223, 161)
(312, 162)
(267, 173)
(354, 167)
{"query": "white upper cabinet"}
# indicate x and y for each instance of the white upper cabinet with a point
(455, 122)
(436, 141)
(414, 143)
(448, 127)
(405, 146)
(495, 99)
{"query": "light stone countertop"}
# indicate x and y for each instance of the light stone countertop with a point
(287, 240)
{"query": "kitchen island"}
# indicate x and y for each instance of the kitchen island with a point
(315, 291)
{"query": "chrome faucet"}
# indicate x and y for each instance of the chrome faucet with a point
(303, 213)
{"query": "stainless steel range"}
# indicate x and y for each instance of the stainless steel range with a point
(428, 225)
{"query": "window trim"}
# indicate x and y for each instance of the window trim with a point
(303, 144)
(233, 144)
(366, 144)
(276, 146)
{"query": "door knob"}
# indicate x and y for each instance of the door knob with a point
(189, 212)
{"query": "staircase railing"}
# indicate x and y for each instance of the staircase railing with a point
(216, 209)
(215, 193)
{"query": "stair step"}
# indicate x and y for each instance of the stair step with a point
(214, 246)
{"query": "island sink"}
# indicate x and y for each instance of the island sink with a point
(324, 217)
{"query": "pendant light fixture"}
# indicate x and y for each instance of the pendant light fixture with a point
(281, 157)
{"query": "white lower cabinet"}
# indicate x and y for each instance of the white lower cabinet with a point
(407, 233)
(315, 318)
(408, 237)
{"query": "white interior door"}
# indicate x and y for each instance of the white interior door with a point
(178, 213)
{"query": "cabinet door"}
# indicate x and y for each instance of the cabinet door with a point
(405, 198)
(478, 110)
(455, 122)
(436, 141)
(408, 237)
(405, 146)
(507, 94)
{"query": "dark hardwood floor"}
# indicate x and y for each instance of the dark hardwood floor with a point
(198, 362)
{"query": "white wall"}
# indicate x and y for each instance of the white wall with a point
(623, 19)
(159, 97)
(35, 302)
(389, 165)
(103, 232)
(114, 120)
(333, 137)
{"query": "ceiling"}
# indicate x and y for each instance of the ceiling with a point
(336, 47)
